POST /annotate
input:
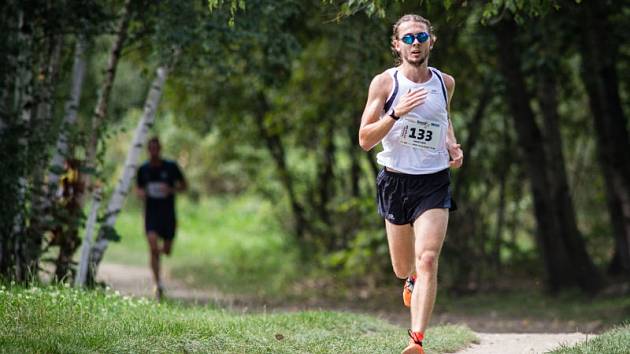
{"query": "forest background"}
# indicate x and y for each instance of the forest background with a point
(260, 103)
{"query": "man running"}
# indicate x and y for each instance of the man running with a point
(407, 111)
(158, 180)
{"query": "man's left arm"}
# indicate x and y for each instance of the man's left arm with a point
(454, 149)
(180, 180)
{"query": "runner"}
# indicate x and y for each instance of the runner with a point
(407, 111)
(158, 180)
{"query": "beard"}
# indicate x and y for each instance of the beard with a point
(418, 62)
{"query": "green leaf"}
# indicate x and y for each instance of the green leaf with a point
(110, 233)
(57, 169)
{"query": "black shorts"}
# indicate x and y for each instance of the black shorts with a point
(163, 225)
(402, 197)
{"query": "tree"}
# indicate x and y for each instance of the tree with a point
(561, 244)
(599, 74)
(106, 230)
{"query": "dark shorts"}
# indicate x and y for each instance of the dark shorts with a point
(402, 197)
(163, 225)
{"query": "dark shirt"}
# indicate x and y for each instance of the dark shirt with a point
(150, 177)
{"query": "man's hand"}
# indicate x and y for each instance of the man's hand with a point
(457, 155)
(166, 189)
(410, 100)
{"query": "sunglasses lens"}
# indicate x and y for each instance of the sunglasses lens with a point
(421, 37)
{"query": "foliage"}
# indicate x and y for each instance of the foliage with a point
(32, 37)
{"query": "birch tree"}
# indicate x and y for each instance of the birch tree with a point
(131, 163)
(70, 116)
(100, 110)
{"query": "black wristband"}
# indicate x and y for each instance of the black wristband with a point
(393, 115)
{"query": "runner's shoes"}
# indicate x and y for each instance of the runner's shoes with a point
(415, 343)
(408, 289)
(159, 292)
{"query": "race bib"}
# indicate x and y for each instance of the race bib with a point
(155, 190)
(420, 134)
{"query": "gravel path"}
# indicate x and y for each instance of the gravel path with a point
(137, 281)
(523, 343)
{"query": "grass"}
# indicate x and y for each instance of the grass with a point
(220, 243)
(66, 320)
(614, 341)
(534, 304)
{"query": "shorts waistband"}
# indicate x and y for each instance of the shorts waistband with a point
(408, 175)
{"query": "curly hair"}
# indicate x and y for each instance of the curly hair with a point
(405, 18)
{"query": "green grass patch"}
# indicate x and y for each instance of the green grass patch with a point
(222, 243)
(567, 306)
(66, 320)
(614, 341)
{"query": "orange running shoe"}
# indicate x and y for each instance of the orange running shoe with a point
(413, 348)
(408, 289)
(415, 343)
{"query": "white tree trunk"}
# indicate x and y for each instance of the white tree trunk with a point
(122, 188)
(70, 116)
(81, 276)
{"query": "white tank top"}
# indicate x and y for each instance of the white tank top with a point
(416, 144)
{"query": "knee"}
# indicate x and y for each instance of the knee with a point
(155, 251)
(427, 261)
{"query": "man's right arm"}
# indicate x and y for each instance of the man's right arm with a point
(372, 128)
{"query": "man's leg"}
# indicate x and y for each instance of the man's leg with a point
(154, 248)
(400, 239)
(167, 246)
(430, 231)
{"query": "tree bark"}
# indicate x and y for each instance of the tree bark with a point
(70, 116)
(560, 193)
(124, 183)
(355, 166)
(9, 150)
(24, 102)
(100, 111)
(40, 128)
(559, 270)
(464, 225)
(84, 261)
(325, 176)
(276, 149)
(598, 70)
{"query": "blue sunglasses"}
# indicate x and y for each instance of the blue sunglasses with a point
(421, 37)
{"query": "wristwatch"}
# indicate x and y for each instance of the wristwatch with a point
(393, 115)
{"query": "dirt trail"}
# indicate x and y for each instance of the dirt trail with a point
(523, 343)
(137, 281)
